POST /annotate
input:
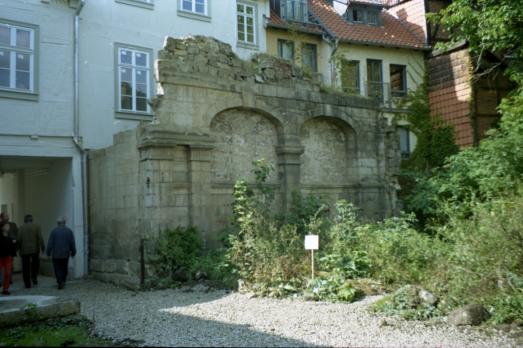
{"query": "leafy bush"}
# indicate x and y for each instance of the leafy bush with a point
(406, 303)
(263, 253)
(508, 308)
(485, 260)
(333, 287)
(435, 139)
(179, 256)
(489, 171)
(176, 248)
(395, 253)
(303, 208)
(213, 264)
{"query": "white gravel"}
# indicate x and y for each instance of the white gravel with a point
(218, 318)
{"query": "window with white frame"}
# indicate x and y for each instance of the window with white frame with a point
(133, 80)
(246, 16)
(195, 6)
(17, 57)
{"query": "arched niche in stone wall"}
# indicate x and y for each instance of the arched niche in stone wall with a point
(242, 136)
(330, 153)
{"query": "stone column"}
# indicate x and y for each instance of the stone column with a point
(200, 189)
(289, 162)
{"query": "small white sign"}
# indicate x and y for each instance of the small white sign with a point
(312, 242)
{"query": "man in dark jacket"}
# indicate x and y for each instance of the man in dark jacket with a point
(60, 246)
(30, 242)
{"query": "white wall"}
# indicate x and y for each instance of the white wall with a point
(36, 144)
(106, 22)
(51, 192)
(9, 195)
(51, 114)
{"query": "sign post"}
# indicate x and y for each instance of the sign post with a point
(312, 242)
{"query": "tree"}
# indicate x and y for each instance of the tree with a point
(494, 169)
(494, 26)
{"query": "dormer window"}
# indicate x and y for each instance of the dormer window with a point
(373, 17)
(291, 10)
(364, 15)
(358, 15)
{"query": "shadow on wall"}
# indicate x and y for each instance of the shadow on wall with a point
(466, 100)
(410, 22)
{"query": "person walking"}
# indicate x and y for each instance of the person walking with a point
(7, 251)
(30, 242)
(60, 246)
(13, 234)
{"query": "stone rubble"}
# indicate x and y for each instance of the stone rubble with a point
(220, 318)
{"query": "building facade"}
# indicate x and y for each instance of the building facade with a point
(119, 43)
(373, 49)
(41, 159)
(74, 73)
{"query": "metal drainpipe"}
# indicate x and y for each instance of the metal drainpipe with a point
(76, 131)
(334, 46)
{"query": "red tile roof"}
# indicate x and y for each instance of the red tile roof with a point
(276, 21)
(392, 33)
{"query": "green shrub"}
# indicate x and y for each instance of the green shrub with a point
(333, 287)
(303, 209)
(176, 248)
(479, 174)
(262, 253)
(406, 303)
(397, 252)
(485, 261)
(507, 308)
(214, 264)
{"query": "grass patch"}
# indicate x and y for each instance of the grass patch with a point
(63, 332)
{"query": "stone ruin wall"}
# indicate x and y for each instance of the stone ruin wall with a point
(214, 115)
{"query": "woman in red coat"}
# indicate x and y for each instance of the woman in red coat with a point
(7, 251)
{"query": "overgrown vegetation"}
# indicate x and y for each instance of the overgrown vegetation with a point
(474, 259)
(435, 143)
(266, 252)
(179, 257)
(461, 239)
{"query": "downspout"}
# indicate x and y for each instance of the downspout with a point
(76, 130)
(76, 75)
(334, 45)
(332, 41)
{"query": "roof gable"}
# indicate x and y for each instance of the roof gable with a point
(391, 32)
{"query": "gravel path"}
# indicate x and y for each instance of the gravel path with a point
(218, 318)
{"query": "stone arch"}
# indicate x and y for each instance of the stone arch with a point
(241, 136)
(337, 114)
(330, 152)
